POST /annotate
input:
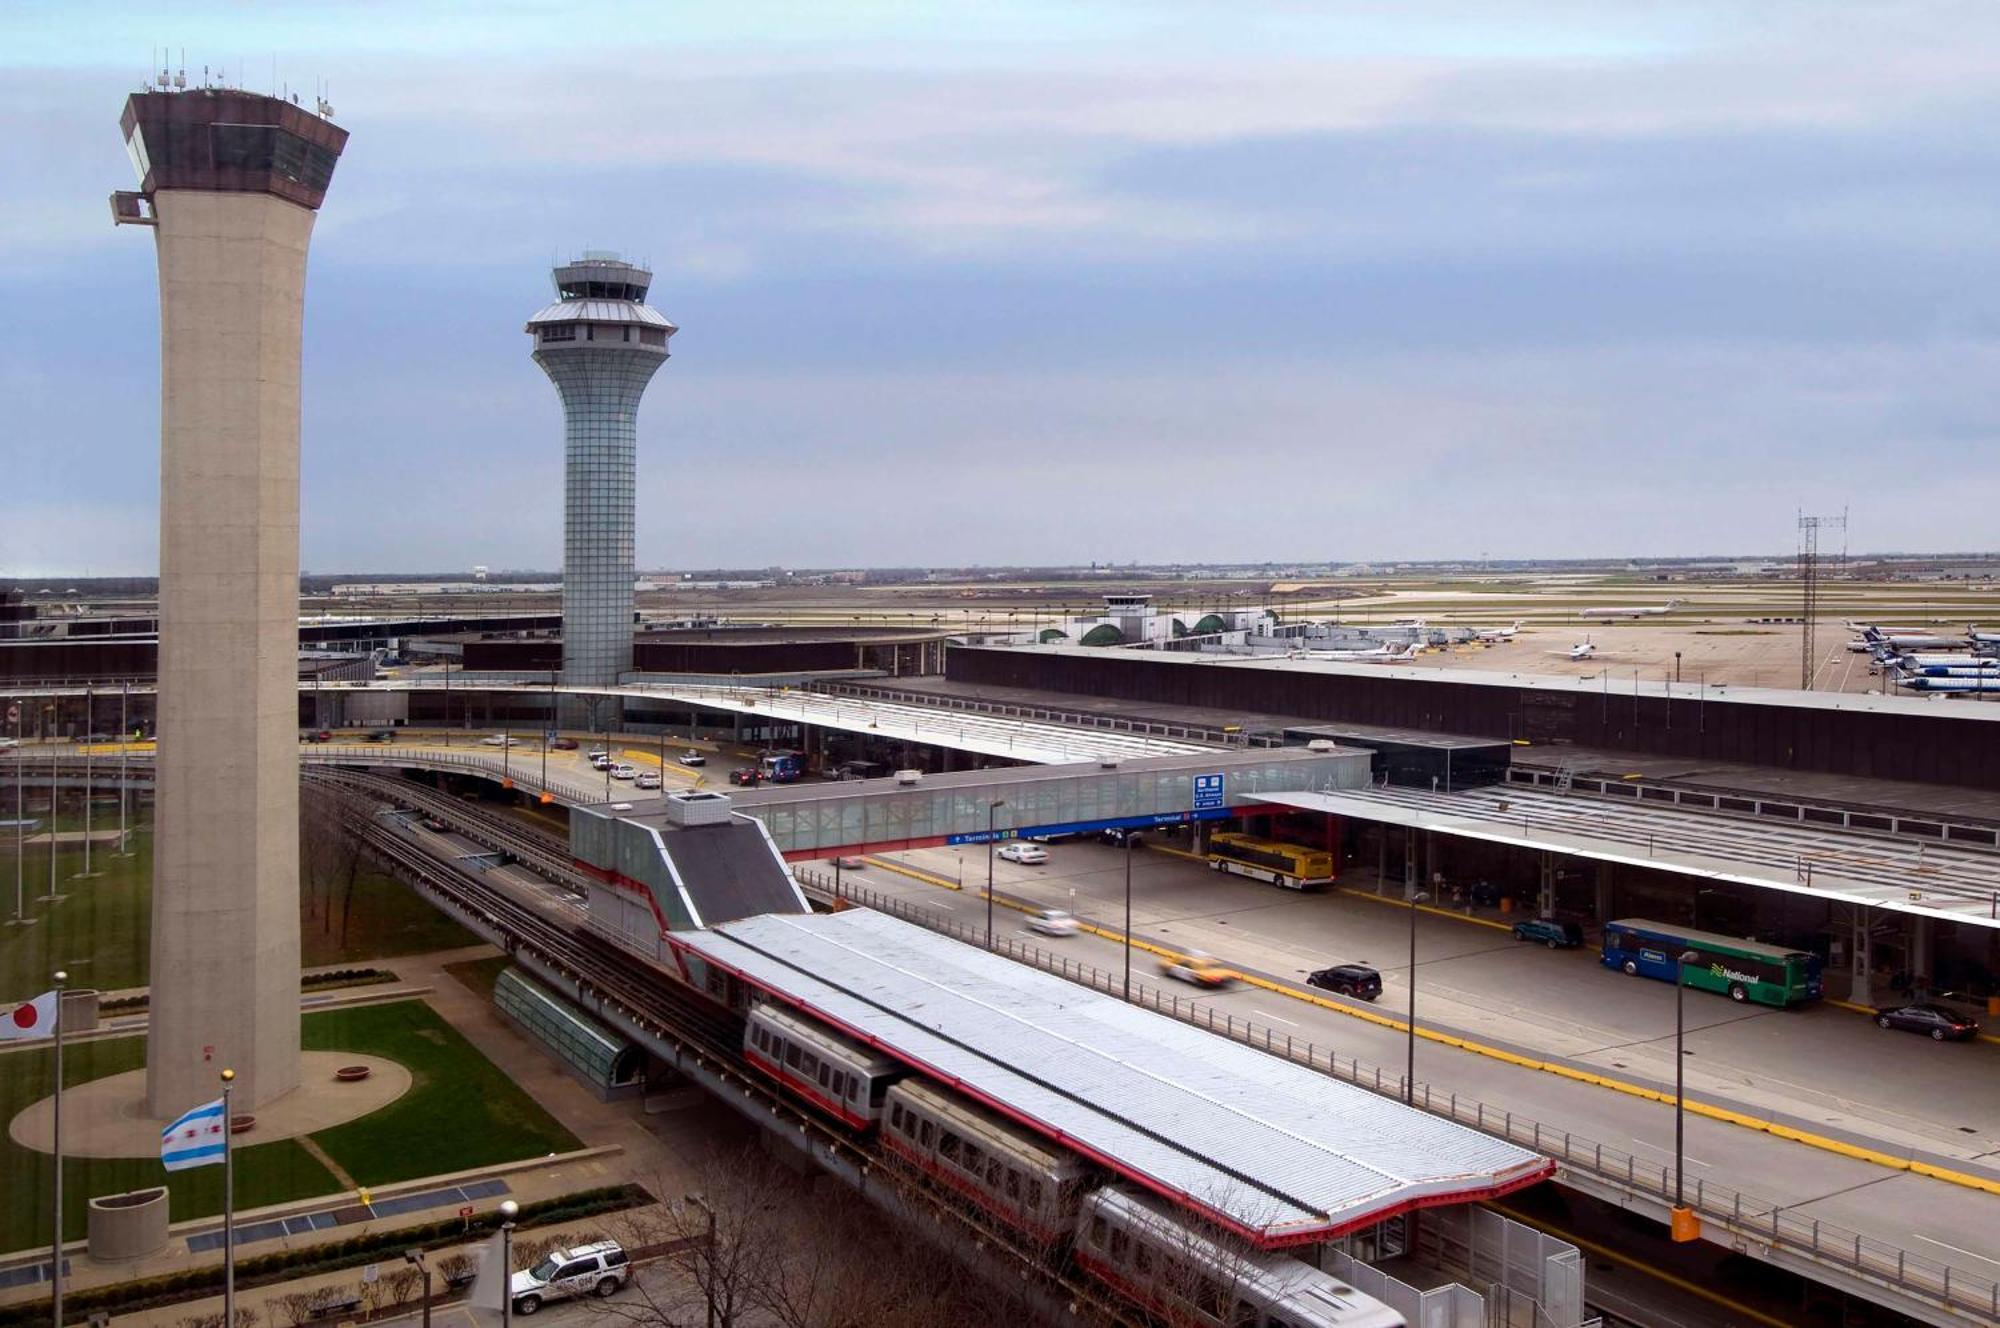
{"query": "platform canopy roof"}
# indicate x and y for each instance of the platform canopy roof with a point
(1276, 1152)
(1903, 875)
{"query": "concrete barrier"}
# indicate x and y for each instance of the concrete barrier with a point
(128, 1226)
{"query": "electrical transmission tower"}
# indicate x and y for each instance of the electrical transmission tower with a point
(1809, 528)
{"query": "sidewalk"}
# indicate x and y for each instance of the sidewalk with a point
(622, 1144)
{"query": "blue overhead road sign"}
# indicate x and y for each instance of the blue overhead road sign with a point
(1207, 792)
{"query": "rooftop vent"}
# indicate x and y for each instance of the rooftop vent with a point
(693, 807)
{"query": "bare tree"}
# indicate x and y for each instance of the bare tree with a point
(718, 1246)
(330, 855)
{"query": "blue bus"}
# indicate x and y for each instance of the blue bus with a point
(1743, 970)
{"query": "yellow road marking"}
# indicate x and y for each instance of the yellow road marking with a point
(1693, 1108)
(1660, 1274)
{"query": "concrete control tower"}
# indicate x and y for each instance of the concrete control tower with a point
(600, 345)
(230, 182)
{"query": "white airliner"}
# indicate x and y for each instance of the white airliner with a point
(1581, 650)
(1633, 611)
(1378, 655)
(1498, 633)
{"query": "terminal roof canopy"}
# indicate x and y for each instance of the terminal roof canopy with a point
(1276, 1152)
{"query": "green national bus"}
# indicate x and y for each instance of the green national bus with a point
(1742, 970)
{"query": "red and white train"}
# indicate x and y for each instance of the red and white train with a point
(1132, 1242)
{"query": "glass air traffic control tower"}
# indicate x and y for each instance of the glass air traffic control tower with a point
(600, 344)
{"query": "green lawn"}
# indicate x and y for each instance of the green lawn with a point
(480, 974)
(266, 1174)
(460, 1113)
(101, 930)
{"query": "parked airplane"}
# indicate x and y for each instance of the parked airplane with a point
(1633, 611)
(1498, 633)
(1978, 637)
(1909, 638)
(1978, 683)
(1378, 655)
(1581, 650)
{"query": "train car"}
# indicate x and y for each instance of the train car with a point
(1135, 1245)
(841, 1078)
(1004, 1170)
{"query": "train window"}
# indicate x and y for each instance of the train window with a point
(1245, 1315)
(792, 1054)
(1034, 1194)
(825, 1075)
(975, 1160)
(1098, 1226)
(924, 1133)
(1118, 1244)
(1142, 1258)
(1013, 1185)
(948, 1145)
(895, 1115)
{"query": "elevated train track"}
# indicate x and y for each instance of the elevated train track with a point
(696, 1038)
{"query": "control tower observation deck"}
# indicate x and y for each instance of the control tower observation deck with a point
(600, 344)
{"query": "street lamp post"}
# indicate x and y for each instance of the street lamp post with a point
(991, 808)
(1128, 915)
(1685, 1225)
(708, 1254)
(415, 1258)
(509, 1210)
(1410, 1050)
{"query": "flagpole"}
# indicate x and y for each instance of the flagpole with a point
(124, 749)
(228, 1208)
(56, 1265)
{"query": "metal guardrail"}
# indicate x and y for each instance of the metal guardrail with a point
(35, 764)
(1048, 714)
(1743, 1215)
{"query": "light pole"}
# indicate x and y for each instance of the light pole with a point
(991, 808)
(708, 1255)
(1410, 1053)
(1128, 915)
(56, 1266)
(509, 1210)
(20, 819)
(1685, 1225)
(415, 1258)
(55, 805)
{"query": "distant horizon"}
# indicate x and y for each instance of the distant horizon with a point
(1463, 566)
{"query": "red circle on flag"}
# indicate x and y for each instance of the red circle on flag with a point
(26, 1016)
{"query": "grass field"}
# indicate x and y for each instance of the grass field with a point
(100, 931)
(461, 1112)
(480, 974)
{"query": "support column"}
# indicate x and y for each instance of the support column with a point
(1860, 961)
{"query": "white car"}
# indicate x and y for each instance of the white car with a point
(1033, 855)
(647, 780)
(693, 758)
(601, 762)
(500, 740)
(598, 754)
(597, 1269)
(623, 771)
(1052, 922)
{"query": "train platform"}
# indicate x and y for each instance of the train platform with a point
(1269, 1149)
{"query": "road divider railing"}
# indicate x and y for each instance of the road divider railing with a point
(1744, 1216)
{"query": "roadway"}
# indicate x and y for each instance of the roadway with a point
(1828, 1070)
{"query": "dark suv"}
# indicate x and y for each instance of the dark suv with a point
(1547, 931)
(1348, 980)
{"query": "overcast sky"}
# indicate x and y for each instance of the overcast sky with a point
(1057, 282)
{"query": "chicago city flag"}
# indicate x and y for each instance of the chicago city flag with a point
(30, 1019)
(195, 1140)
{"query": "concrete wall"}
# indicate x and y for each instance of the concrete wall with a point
(225, 946)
